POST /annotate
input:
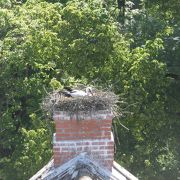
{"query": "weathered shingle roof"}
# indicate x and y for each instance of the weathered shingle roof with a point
(80, 166)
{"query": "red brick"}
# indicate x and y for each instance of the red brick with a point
(98, 143)
(110, 157)
(56, 149)
(107, 121)
(61, 124)
(102, 147)
(110, 143)
(79, 149)
(110, 152)
(87, 148)
(106, 129)
(95, 147)
(57, 153)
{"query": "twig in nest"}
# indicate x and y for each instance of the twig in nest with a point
(100, 100)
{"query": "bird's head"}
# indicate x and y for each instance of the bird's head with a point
(89, 91)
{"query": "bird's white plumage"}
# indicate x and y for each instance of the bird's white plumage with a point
(80, 93)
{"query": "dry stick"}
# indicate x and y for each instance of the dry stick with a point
(123, 125)
(130, 105)
(117, 134)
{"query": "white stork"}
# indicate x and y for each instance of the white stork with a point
(78, 93)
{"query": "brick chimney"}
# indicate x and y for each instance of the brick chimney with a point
(84, 132)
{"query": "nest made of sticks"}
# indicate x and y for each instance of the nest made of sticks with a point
(101, 100)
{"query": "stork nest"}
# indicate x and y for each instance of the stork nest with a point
(101, 100)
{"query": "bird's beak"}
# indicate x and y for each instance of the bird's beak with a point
(91, 93)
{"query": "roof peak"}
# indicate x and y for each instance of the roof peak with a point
(80, 166)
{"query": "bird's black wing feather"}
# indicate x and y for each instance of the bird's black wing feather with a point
(68, 88)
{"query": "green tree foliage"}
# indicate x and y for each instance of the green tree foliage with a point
(45, 45)
(152, 144)
(42, 46)
(28, 65)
